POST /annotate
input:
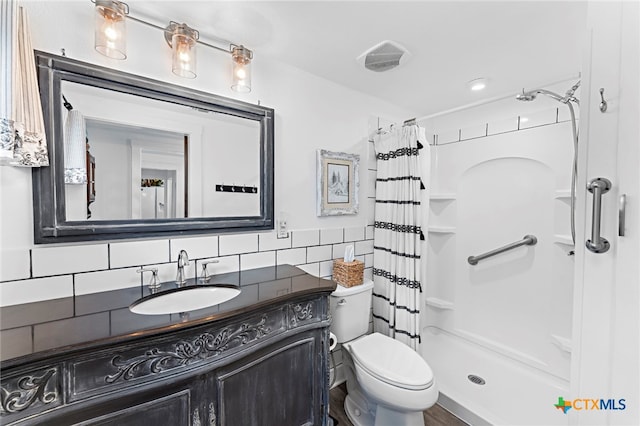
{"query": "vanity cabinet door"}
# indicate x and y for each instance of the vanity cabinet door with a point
(175, 403)
(279, 385)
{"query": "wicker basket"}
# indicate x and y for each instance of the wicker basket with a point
(348, 274)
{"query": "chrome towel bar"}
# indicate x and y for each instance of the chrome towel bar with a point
(528, 240)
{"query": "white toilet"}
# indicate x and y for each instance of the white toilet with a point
(388, 383)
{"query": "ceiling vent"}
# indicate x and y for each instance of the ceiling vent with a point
(384, 56)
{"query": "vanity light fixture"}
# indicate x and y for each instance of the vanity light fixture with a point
(111, 28)
(110, 40)
(182, 40)
(241, 68)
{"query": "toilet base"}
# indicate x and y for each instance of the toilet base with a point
(358, 413)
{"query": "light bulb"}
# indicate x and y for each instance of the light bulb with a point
(110, 28)
(183, 44)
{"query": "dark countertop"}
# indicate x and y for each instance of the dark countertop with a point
(36, 331)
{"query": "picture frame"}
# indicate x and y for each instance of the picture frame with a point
(338, 182)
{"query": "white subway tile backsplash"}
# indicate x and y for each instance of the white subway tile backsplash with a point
(370, 205)
(331, 236)
(135, 253)
(167, 272)
(368, 273)
(196, 247)
(66, 260)
(96, 282)
(236, 244)
(371, 183)
(226, 264)
(296, 256)
(311, 268)
(326, 269)
(15, 264)
(502, 126)
(354, 234)
(318, 253)
(538, 118)
(257, 260)
(368, 235)
(368, 260)
(304, 238)
(471, 132)
(364, 247)
(270, 241)
(338, 250)
(35, 290)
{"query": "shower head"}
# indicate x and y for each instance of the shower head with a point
(531, 95)
(527, 97)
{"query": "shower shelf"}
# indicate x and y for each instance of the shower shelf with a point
(443, 197)
(438, 303)
(562, 342)
(563, 239)
(564, 193)
(442, 229)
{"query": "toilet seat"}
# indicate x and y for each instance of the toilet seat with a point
(391, 361)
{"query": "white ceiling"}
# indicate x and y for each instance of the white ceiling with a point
(514, 44)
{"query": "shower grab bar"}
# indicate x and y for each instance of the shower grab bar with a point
(528, 240)
(598, 187)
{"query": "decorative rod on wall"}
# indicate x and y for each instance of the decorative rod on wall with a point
(111, 41)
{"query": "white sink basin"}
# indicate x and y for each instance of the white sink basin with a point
(183, 299)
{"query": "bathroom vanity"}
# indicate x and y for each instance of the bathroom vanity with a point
(258, 359)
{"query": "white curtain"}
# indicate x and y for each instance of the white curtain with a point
(22, 136)
(398, 234)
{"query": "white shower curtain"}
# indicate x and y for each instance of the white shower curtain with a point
(398, 234)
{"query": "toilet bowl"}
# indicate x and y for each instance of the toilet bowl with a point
(388, 383)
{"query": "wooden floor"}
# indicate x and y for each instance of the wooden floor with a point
(434, 416)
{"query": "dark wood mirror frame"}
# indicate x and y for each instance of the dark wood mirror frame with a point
(50, 224)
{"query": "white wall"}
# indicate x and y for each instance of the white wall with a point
(311, 113)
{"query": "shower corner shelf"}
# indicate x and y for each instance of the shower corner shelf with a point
(438, 303)
(562, 342)
(443, 197)
(563, 239)
(442, 229)
(563, 193)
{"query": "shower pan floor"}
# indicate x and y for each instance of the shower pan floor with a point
(512, 393)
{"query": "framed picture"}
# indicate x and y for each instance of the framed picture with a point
(337, 183)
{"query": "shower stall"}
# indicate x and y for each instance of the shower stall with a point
(499, 266)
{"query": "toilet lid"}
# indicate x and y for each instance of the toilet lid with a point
(391, 361)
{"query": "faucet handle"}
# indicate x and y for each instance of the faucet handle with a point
(205, 274)
(154, 285)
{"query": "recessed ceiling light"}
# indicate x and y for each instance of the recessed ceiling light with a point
(523, 119)
(477, 84)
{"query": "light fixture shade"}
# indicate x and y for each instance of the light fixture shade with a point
(241, 68)
(183, 46)
(111, 28)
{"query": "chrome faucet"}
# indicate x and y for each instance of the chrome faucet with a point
(183, 260)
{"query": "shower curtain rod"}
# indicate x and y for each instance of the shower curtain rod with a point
(410, 121)
(490, 100)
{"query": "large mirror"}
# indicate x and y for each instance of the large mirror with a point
(133, 157)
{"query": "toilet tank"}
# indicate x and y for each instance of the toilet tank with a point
(350, 311)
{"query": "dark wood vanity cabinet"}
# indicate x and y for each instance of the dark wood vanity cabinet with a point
(266, 366)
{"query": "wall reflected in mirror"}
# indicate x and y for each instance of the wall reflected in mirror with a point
(160, 160)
